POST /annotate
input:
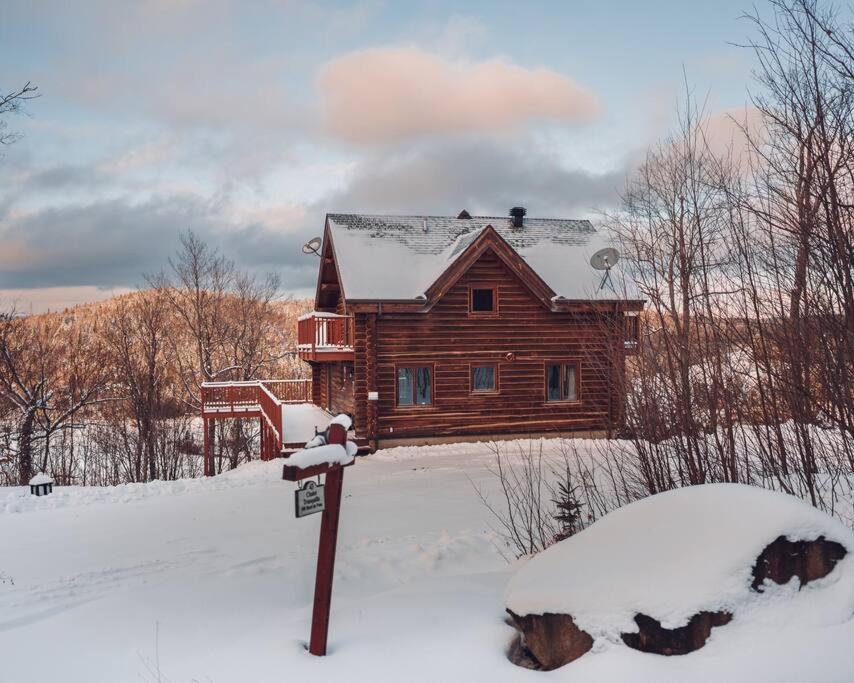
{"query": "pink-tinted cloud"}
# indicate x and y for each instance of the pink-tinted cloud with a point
(726, 132)
(391, 94)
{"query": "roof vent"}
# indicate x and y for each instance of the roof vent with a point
(518, 214)
(464, 214)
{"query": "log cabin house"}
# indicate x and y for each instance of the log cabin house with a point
(433, 328)
(428, 328)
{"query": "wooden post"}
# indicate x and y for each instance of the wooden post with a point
(326, 550)
(336, 434)
(208, 458)
(326, 563)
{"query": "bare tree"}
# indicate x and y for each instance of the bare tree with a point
(49, 373)
(12, 102)
(139, 351)
(227, 317)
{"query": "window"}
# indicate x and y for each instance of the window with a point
(414, 386)
(484, 379)
(482, 300)
(632, 333)
(562, 382)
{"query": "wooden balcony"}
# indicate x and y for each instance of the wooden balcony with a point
(325, 337)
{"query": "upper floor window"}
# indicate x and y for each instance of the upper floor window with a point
(562, 382)
(415, 386)
(483, 300)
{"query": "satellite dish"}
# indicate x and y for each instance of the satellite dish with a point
(605, 259)
(312, 246)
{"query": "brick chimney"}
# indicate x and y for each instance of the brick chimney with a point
(518, 215)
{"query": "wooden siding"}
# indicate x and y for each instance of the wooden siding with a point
(451, 340)
(341, 387)
(332, 386)
(319, 385)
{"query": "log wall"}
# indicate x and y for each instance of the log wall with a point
(450, 339)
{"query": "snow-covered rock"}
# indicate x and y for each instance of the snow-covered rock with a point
(671, 557)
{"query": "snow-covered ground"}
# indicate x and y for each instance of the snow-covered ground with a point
(211, 580)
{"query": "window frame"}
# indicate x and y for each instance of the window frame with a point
(414, 367)
(631, 334)
(496, 389)
(483, 314)
(578, 385)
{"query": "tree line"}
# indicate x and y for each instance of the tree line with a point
(107, 393)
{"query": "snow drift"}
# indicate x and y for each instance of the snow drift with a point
(673, 556)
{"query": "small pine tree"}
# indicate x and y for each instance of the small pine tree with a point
(568, 512)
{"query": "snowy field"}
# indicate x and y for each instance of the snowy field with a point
(210, 580)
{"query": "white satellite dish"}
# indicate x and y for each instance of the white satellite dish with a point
(312, 246)
(605, 259)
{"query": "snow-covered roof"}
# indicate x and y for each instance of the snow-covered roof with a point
(399, 257)
(40, 478)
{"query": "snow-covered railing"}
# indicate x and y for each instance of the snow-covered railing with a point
(319, 333)
(257, 398)
(289, 390)
(271, 423)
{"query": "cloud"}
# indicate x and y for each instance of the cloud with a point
(392, 94)
(114, 243)
(726, 133)
(482, 176)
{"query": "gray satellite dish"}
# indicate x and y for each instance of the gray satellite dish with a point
(605, 259)
(312, 246)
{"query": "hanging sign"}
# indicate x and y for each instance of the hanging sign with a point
(309, 499)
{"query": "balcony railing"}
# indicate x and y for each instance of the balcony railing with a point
(325, 336)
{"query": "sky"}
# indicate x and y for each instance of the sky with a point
(247, 122)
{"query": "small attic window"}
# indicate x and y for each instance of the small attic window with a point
(483, 300)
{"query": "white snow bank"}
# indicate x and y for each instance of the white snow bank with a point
(40, 478)
(670, 556)
(331, 454)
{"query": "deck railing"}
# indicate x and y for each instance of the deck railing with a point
(289, 390)
(257, 398)
(231, 396)
(271, 423)
(323, 333)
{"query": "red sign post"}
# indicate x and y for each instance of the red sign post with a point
(336, 434)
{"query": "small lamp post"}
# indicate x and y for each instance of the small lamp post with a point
(41, 485)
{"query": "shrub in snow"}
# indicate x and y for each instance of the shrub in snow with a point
(661, 573)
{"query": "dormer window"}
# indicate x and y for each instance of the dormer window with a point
(483, 300)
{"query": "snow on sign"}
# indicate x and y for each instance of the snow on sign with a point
(309, 499)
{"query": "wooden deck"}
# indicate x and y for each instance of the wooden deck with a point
(288, 418)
